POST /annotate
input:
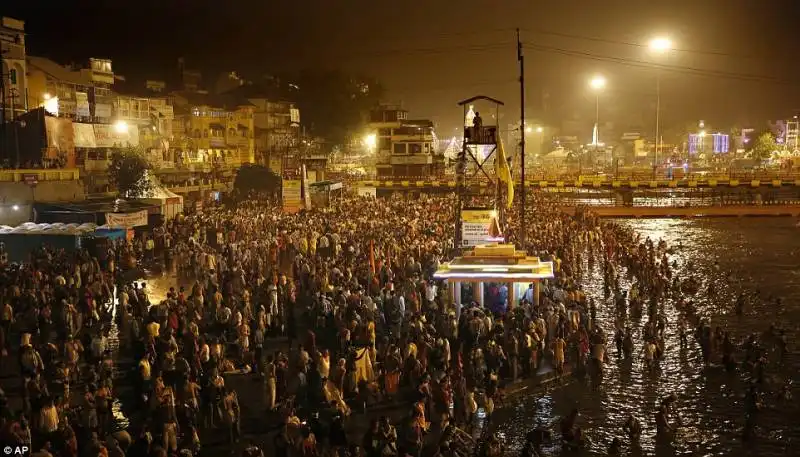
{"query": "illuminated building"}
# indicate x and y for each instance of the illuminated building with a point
(276, 126)
(213, 131)
(14, 70)
(718, 143)
(404, 147)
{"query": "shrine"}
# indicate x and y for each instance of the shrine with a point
(494, 275)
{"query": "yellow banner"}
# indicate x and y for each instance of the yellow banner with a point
(292, 195)
(477, 215)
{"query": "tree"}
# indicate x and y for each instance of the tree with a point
(128, 172)
(258, 179)
(333, 104)
(763, 146)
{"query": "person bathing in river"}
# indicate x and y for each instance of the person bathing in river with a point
(632, 428)
(570, 432)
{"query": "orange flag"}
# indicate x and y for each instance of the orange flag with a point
(372, 257)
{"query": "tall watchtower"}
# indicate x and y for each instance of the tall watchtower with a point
(475, 167)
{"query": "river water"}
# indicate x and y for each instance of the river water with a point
(752, 253)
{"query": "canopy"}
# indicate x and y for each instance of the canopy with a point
(495, 263)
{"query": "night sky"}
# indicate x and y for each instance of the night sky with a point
(735, 63)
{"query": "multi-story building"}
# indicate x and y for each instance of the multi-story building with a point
(213, 130)
(277, 131)
(404, 148)
(13, 81)
(82, 101)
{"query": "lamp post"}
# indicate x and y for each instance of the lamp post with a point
(659, 45)
(598, 83)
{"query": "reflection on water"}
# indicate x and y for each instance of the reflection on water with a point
(158, 284)
(748, 253)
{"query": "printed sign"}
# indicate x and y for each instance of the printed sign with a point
(292, 195)
(127, 220)
(30, 179)
(84, 135)
(475, 226)
(102, 110)
(108, 136)
(82, 104)
(60, 135)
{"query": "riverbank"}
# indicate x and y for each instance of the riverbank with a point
(695, 211)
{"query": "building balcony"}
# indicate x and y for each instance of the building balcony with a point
(33, 176)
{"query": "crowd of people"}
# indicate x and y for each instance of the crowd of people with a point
(351, 288)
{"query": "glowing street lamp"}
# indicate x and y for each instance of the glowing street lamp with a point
(50, 104)
(658, 45)
(539, 129)
(598, 83)
(371, 141)
(528, 129)
(121, 127)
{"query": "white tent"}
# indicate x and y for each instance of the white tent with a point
(170, 202)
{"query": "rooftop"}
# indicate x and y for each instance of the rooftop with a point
(227, 101)
(59, 72)
(104, 205)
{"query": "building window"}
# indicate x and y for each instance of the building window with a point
(205, 133)
(415, 148)
(399, 148)
(12, 76)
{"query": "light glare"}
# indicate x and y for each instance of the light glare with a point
(121, 127)
(660, 44)
(598, 82)
(371, 140)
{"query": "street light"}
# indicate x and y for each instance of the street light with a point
(528, 129)
(661, 44)
(658, 45)
(539, 129)
(121, 127)
(598, 83)
(371, 141)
